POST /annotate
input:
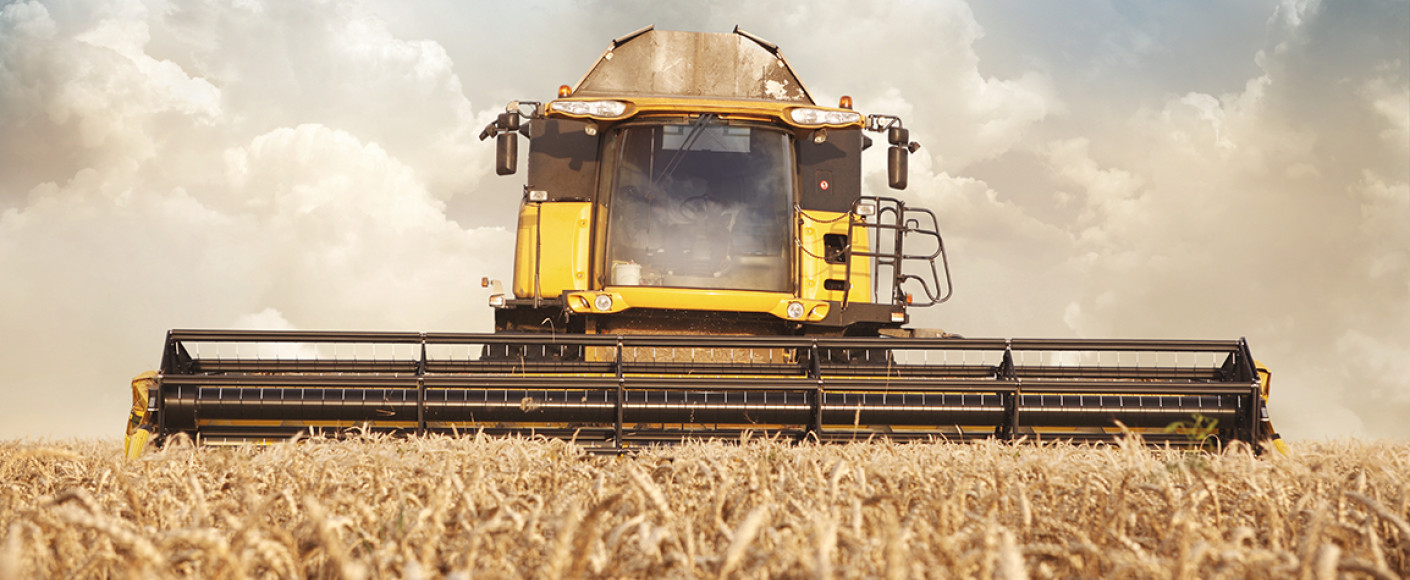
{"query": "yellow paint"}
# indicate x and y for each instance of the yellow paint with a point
(814, 269)
(135, 438)
(135, 443)
(625, 297)
(554, 238)
(725, 108)
(1265, 378)
(1265, 381)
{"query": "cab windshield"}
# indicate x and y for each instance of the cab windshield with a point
(700, 205)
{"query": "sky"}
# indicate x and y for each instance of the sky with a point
(1100, 169)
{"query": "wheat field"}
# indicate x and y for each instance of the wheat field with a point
(510, 508)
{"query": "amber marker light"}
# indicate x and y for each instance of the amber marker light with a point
(845, 103)
(564, 91)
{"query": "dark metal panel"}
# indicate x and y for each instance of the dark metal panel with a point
(856, 313)
(830, 172)
(695, 64)
(912, 409)
(563, 159)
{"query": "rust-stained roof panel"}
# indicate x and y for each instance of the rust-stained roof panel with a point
(692, 64)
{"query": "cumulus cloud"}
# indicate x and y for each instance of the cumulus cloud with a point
(1271, 209)
(1153, 171)
(217, 189)
(1264, 212)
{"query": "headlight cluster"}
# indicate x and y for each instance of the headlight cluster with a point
(603, 302)
(795, 310)
(823, 117)
(595, 109)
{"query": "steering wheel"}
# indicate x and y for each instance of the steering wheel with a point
(695, 209)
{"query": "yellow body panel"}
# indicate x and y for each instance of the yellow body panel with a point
(139, 428)
(552, 249)
(727, 108)
(1265, 380)
(814, 270)
(625, 297)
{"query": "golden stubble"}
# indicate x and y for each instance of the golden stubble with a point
(477, 507)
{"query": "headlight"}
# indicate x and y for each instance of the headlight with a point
(603, 302)
(866, 207)
(815, 117)
(795, 310)
(596, 109)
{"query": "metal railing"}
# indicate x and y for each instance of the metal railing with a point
(893, 223)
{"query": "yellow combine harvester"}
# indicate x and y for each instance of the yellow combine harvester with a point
(695, 258)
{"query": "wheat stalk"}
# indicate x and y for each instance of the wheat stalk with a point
(483, 507)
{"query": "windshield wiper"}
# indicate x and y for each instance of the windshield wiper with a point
(696, 129)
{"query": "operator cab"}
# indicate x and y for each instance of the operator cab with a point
(697, 205)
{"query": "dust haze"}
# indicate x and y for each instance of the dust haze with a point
(1170, 170)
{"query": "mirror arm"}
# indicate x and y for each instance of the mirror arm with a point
(506, 129)
(897, 154)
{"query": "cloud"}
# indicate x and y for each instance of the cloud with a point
(192, 195)
(1136, 171)
(1268, 211)
(1239, 214)
(1392, 103)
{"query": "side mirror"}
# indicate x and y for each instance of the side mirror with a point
(506, 160)
(896, 160)
(898, 156)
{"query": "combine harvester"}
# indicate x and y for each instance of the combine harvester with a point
(696, 259)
